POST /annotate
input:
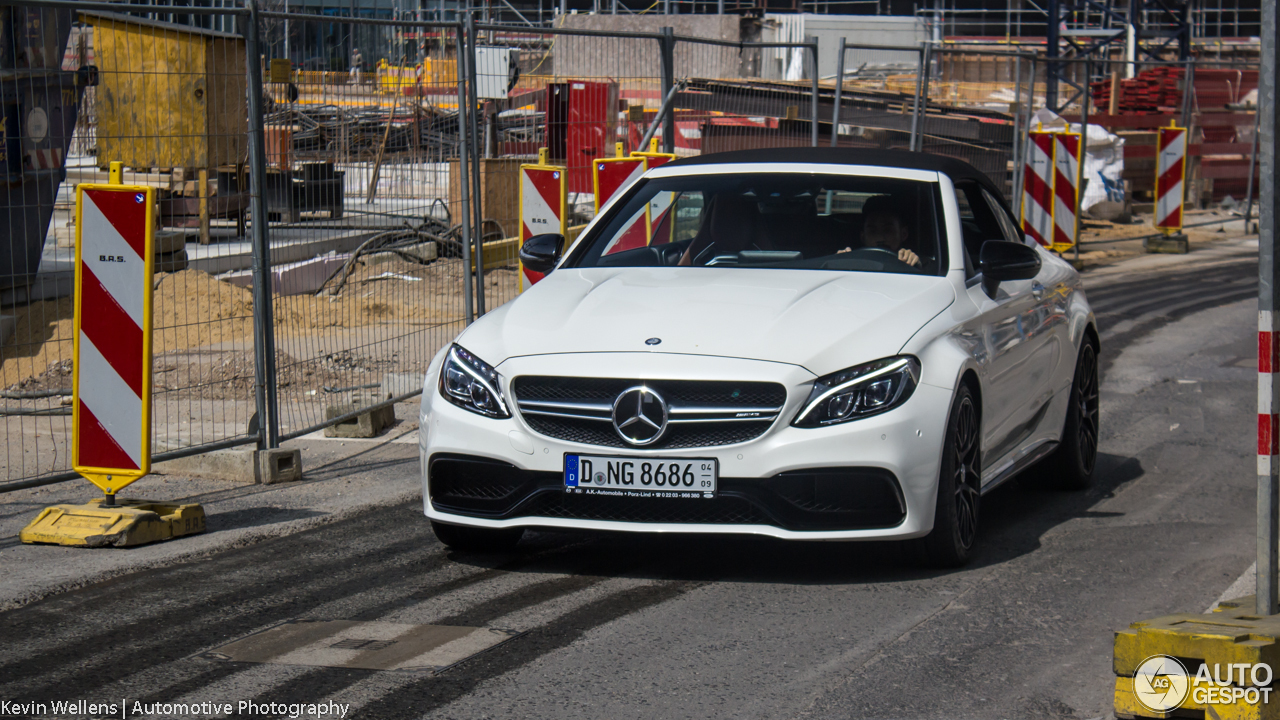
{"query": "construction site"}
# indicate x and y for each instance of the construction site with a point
(296, 293)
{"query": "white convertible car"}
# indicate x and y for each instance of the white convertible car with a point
(810, 344)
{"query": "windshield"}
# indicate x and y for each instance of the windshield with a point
(772, 220)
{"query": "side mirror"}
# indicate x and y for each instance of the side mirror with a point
(1001, 261)
(540, 253)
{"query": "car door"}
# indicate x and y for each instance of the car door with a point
(1008, 323)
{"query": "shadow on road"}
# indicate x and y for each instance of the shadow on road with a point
(1014, 518)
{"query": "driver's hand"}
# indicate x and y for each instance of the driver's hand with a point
(909, 257)
(848, 249)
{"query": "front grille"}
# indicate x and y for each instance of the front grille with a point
(818, 499)
(691, 435)
(704, 413)
(720, 392)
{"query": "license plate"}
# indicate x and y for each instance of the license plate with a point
(641, 477)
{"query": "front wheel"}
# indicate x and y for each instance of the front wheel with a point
(470, 539)
(1071, 466)
(955, 519)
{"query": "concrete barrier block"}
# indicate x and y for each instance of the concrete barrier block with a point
(279, 466)
(1176, 244)
(364, 425)
(251, 467)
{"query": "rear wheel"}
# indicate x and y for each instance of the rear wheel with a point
(470, 539)
(955, 519)
(1071, 466)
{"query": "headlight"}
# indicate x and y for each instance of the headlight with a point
(859, 392)
(471, 383)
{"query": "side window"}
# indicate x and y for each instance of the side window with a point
(977, 221)
(1007, 225)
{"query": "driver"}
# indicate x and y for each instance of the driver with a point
(884, 227)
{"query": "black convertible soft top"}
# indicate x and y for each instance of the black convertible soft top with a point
(953, 168)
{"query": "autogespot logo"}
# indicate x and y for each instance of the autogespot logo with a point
(1162, 684)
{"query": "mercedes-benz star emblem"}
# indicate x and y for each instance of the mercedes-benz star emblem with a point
(640, 415)
(653, 341)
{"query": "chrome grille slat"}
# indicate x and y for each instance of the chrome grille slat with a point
(702, 413)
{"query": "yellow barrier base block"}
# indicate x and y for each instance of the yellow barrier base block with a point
(1217, 651)
(127, 523)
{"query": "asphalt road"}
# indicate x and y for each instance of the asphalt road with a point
(687, 627)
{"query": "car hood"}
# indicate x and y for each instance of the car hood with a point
(821, 320)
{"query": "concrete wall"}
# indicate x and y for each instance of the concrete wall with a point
(625, 58)
(860, 29)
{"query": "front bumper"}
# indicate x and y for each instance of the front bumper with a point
(867, 479)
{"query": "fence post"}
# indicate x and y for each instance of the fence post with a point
(1085, 98)
(668, 53)
(1267, 595)
(915, 105)
(477, 202)
(922, 102)
(835, 112)
(813, 92)
(264, 341)
(1188, 89)
(1015, 187)
(1253, 169)
(464, 179)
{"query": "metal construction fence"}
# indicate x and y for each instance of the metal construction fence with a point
(328, 224)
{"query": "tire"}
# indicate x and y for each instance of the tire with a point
(470, 539)
(955, 519)
(1072, 465)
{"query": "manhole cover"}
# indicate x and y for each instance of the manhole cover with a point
(369, 645)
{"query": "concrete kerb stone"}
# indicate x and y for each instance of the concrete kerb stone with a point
(251, 467)
(1176, 243)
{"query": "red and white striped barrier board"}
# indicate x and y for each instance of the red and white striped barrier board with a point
(1066, 188)
(609, 175)
(111, 377)
(45, 159)
(1037, 188)
(544, 199)
(1171, 172)
(612, 175)
(1268, 421)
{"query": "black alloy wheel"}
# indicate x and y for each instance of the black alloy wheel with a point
(955, 520)
(1071, 466)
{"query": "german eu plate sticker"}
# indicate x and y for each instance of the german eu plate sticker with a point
(571, 471)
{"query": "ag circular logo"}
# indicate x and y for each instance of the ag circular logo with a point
(1161, 683)
(640, 416)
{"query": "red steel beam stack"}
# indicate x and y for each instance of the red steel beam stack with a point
(1160, 89)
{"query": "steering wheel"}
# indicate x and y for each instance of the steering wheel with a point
(876, 254)
(873, 249)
